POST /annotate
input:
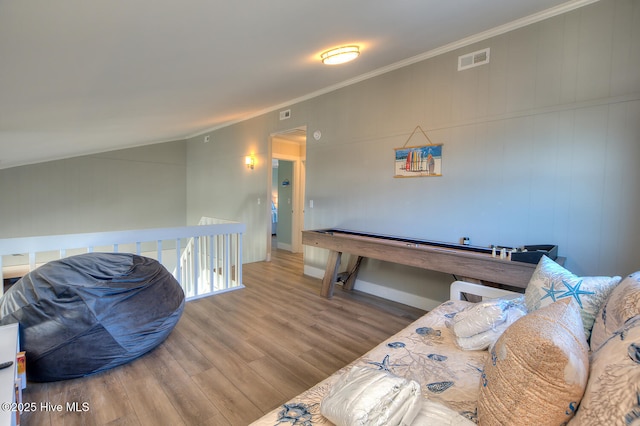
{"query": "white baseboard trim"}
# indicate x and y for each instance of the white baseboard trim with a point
(285, 246)
(382, 291)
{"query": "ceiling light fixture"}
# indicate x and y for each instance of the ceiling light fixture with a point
(340, 55)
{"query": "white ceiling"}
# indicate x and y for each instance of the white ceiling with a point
(79, 77)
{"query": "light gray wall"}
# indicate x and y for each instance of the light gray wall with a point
(127, 189)
(220, 185)
(541, 146)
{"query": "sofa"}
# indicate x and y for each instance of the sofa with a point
(567, 351)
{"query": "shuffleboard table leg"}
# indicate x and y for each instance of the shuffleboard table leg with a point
(352, 268)
(330, 274)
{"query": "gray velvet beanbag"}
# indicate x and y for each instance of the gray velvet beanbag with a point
(89, 313)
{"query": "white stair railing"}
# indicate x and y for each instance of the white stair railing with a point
(205, 259)
(217, 258)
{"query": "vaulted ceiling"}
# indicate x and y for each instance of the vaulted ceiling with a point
(79, 77)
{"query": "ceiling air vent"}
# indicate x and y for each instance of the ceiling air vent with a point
(285, 114)
(474, 59)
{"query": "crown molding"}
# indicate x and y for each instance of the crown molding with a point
(493, 32)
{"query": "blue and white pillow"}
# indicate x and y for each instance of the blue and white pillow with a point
(612, 396)
(551, 282)
(623, 304)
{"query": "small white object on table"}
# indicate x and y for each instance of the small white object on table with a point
(9, 348)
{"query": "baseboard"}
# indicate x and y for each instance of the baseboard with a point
(285, 246)
(382, 291)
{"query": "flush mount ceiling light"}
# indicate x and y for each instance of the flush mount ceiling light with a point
(340, 55)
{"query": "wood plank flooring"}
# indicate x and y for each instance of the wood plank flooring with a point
(232, 357)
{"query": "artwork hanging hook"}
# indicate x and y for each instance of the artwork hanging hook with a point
(414, 132)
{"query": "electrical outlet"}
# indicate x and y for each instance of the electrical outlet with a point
(207, 138)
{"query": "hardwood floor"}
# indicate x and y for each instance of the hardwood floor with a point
(232, 357)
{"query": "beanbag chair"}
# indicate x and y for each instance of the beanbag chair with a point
(89, 313)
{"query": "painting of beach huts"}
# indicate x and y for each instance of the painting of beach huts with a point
(417, 161)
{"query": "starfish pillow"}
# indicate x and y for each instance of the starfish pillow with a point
(551, 282)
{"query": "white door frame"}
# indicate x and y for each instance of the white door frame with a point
(297, 203)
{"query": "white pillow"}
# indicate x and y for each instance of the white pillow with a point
(551, 282)
(479, 326)
(438, 414)
(366, 396)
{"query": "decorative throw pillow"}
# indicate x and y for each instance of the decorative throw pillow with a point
(538, 369)
(623, 303)
(613, 393)
(551, 282)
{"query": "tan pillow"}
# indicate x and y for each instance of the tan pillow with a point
(538, 369)
(623, 303)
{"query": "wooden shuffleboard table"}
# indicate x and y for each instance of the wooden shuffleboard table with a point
(463, 261)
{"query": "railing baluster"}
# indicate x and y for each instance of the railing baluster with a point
(227, 261)
(212, 276)
(196, 268)
(32, 261)
(1, 278)
(239, 261)
(178, 266)
(186, 267)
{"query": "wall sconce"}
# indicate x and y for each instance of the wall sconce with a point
(250, 161)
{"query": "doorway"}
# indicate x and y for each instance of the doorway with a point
(287, 188)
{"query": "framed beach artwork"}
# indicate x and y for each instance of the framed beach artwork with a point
(418, 161)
